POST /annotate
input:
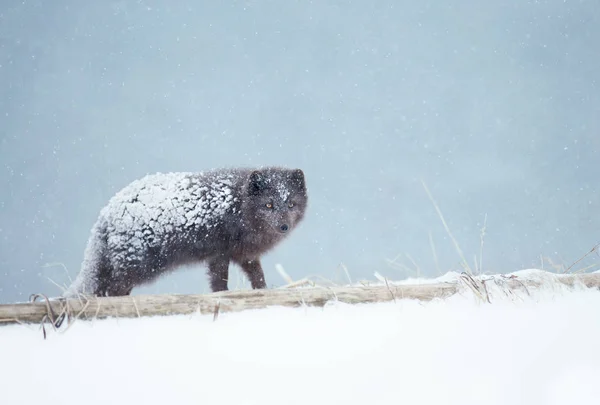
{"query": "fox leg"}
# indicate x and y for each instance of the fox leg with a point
(218, 271)
(254, 271)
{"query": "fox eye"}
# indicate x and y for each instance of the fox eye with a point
(290, 204)
(269, 205)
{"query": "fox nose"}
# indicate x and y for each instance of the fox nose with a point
(284, 228)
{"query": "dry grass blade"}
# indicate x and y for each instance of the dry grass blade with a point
(475, 286)
(516, 280)
(586, 268)
(10, 320)
(347, 272)
(390, 290)
(298, 283)
(417, 268)
(485, 290)
(60, 287)
(283, 273)
(76, 317)
(482, 239)
(394, 263)
(98, 309)
(55, 321)
(456, 245)
(53, 264)
(434, 253)
(216, 310)
(50, 312)
(137, 310)
(504, 287)
(594, 249)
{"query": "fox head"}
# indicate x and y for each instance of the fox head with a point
(276, 200)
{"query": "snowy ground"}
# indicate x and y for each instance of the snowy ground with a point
(539, 350)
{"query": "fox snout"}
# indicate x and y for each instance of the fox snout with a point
(284, 228)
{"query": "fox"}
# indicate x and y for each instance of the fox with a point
(162, 221)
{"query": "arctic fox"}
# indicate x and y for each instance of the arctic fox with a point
(165, 220)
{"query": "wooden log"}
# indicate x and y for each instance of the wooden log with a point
(233, 301)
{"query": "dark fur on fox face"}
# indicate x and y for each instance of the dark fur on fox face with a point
(274, 205)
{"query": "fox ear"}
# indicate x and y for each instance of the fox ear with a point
(257, 183)
(297, 178)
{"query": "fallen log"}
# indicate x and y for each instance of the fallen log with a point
(239, 300)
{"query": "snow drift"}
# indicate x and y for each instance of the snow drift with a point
(528, 349)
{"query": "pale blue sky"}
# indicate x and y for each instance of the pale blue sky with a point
(496, 108)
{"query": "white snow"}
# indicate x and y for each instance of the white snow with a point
(158, 203)
(454, 276)
(538, 349)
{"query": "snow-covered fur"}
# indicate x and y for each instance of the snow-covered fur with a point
(165, 220)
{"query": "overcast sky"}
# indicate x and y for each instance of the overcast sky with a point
(496, 108)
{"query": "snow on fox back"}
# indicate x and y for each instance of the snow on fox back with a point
(157, 204)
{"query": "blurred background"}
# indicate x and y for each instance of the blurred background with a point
(495, 107)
